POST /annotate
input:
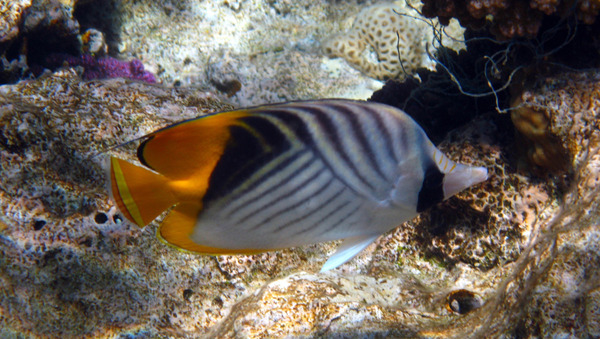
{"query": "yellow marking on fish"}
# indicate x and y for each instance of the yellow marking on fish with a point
(453, 167)
(125, 195)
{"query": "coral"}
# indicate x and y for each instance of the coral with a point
(49, 15)
(93, 42)
(14, 70)
(103, 67)
(372, 45)
(436, 102)
(587, 10)
(71, 266)
(509, 18)
(269, 47)
(562, 134)
(29, 31)
(12, 13)
(386, 41)
(540, 145)
(328, 306)
(59, 234)
(269, 78)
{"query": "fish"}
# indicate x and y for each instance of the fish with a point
(284, 175)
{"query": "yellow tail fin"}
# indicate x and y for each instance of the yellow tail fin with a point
(140, 194)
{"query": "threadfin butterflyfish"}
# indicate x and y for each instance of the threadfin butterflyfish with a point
(286, 175)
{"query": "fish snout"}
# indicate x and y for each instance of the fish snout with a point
(463, 177)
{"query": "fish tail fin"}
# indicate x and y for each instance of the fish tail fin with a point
(140, 194)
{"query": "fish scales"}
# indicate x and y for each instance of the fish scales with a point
(285, 175)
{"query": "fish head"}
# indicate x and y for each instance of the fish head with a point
(461, 177)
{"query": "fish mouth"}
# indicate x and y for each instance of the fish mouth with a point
(463, 177)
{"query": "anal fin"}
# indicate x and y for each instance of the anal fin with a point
(178, 226)
(348, 250)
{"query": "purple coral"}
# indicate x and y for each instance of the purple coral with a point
(105, 67)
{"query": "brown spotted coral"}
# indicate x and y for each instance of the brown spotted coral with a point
(509, 18)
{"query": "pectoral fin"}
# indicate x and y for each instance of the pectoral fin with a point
(348, 250)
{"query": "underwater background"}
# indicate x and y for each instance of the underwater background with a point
(510, 85)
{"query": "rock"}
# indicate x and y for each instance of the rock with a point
(12, 14)
(389, 41)
(519, 252)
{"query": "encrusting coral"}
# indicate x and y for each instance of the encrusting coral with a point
(12, 13)
(517, 256)
(372, 45)
(102, 67)
(386, 41)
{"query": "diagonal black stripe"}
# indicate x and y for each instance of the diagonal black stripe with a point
(298, 126)
(249, 148)
(294, 123)
(351, 116)
(328, 215)
(307, 214)
(381, 126)
(272, 175)
(279, 198)
(332, 133)
(344, 218)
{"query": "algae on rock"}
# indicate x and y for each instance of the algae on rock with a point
(71, 266)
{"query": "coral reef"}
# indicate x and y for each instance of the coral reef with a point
(560, 137)
(386, 41)
(226, 47)
(514, 257)
(380, 39)
(102, 67)
(492, 75)
(12, 13)
(509, 18)
(540, 145)
(29, 29)
(269, 48)
(510, 251)
(435, 100)
(263, 81)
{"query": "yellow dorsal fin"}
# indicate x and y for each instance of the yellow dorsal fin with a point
(140, 194)
(178, 226)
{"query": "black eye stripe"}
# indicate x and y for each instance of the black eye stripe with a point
(432, 189)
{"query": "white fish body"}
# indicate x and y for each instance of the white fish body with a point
(305, 172)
